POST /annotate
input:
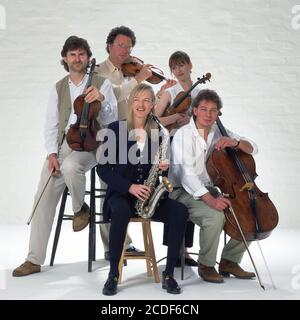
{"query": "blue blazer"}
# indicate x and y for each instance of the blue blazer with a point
(119, 176)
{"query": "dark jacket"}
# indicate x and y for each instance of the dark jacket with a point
(119, 176)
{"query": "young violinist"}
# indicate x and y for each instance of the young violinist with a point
(181, 67)
(124, 165)
(192, 145)
(68, 167)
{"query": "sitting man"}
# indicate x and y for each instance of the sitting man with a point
(66, 166)
(191, 147)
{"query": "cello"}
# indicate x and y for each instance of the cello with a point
(233, 171)
(81, 136)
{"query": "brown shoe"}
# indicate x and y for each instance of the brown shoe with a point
(81, 219)
(209, 274)
(226, 268)
(25, 269)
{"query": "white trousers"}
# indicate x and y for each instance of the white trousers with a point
(73, 165)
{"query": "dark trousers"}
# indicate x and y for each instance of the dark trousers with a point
(169, 211)
(188, 236)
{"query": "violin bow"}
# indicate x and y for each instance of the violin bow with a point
(247, 247)
(38, 200)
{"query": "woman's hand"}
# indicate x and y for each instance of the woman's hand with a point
(170, 83)
(182, 119)
(163, 165)
(140, 191)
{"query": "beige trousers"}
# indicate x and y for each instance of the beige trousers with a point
(74, 165)
(211, 224)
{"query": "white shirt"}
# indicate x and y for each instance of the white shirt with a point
(189, 153)
(174, 90)
(107, 114)
(140, 145)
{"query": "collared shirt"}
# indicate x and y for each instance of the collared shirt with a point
(189, 153)
(107, 114)
(122, 86)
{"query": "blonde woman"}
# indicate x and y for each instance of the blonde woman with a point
(125, 162)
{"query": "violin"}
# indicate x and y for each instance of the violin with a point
(133, 65)
(81, 136)
(183, 100)
(233, 171)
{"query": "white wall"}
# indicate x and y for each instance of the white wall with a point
(250, 47)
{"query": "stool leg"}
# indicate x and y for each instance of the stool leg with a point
(92, 229)
(91, 245)
(121, 262)
(182, 258)
(58, 226)
(152, 253)
(145, 226)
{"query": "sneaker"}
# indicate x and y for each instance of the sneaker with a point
(226, 268)
(170, 284)
(110, 286)
(82, 218)
(26, 269)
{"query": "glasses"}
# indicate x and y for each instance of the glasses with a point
(123, 46)
(210, 111)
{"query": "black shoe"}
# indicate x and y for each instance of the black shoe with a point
(170, 284)
(106, 255)
(187, 261)
(133, 251)
(110, 286)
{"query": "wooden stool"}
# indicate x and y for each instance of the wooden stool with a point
(94, 193)
(149, 255)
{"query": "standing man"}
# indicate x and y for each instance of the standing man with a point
(119, 44)
(68, 167)
(192, 145)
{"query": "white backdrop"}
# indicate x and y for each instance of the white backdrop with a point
(251, 48)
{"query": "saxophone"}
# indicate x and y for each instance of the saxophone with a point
(146, 208)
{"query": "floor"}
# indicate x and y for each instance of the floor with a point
(69, 279)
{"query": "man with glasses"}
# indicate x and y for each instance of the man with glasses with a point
(119, 44)
(191, 147)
